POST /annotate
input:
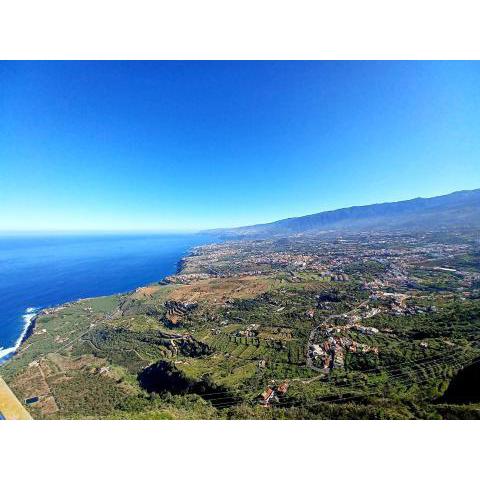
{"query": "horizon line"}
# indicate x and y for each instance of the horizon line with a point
(203, 230)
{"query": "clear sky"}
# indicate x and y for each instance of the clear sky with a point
(189, 145)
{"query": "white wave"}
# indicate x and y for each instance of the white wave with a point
(4, 352)
(30, 314)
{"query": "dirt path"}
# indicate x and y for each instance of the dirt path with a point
(54, 401)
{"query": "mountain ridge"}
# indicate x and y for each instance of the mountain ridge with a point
(460, 208)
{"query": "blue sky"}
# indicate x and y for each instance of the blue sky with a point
(189, 145)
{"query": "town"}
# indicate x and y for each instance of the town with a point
(367, 325)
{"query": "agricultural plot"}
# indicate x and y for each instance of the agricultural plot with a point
(379, 326)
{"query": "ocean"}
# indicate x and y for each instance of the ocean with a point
(38, 271)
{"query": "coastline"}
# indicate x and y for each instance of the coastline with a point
(31, 313)
(29, 318)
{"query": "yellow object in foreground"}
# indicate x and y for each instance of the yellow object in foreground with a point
(10, 407)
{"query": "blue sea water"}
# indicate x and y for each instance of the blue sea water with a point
(38, 271)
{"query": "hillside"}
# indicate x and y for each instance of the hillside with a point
(458, 209)
(366, 327)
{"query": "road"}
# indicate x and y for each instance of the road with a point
(309, 360)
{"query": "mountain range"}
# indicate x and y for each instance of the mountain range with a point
(457, 209)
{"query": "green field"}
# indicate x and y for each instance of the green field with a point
(367, 327)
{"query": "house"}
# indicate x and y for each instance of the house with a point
(267, 396)
(282, 388)
(316, 350)
(366, 330)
